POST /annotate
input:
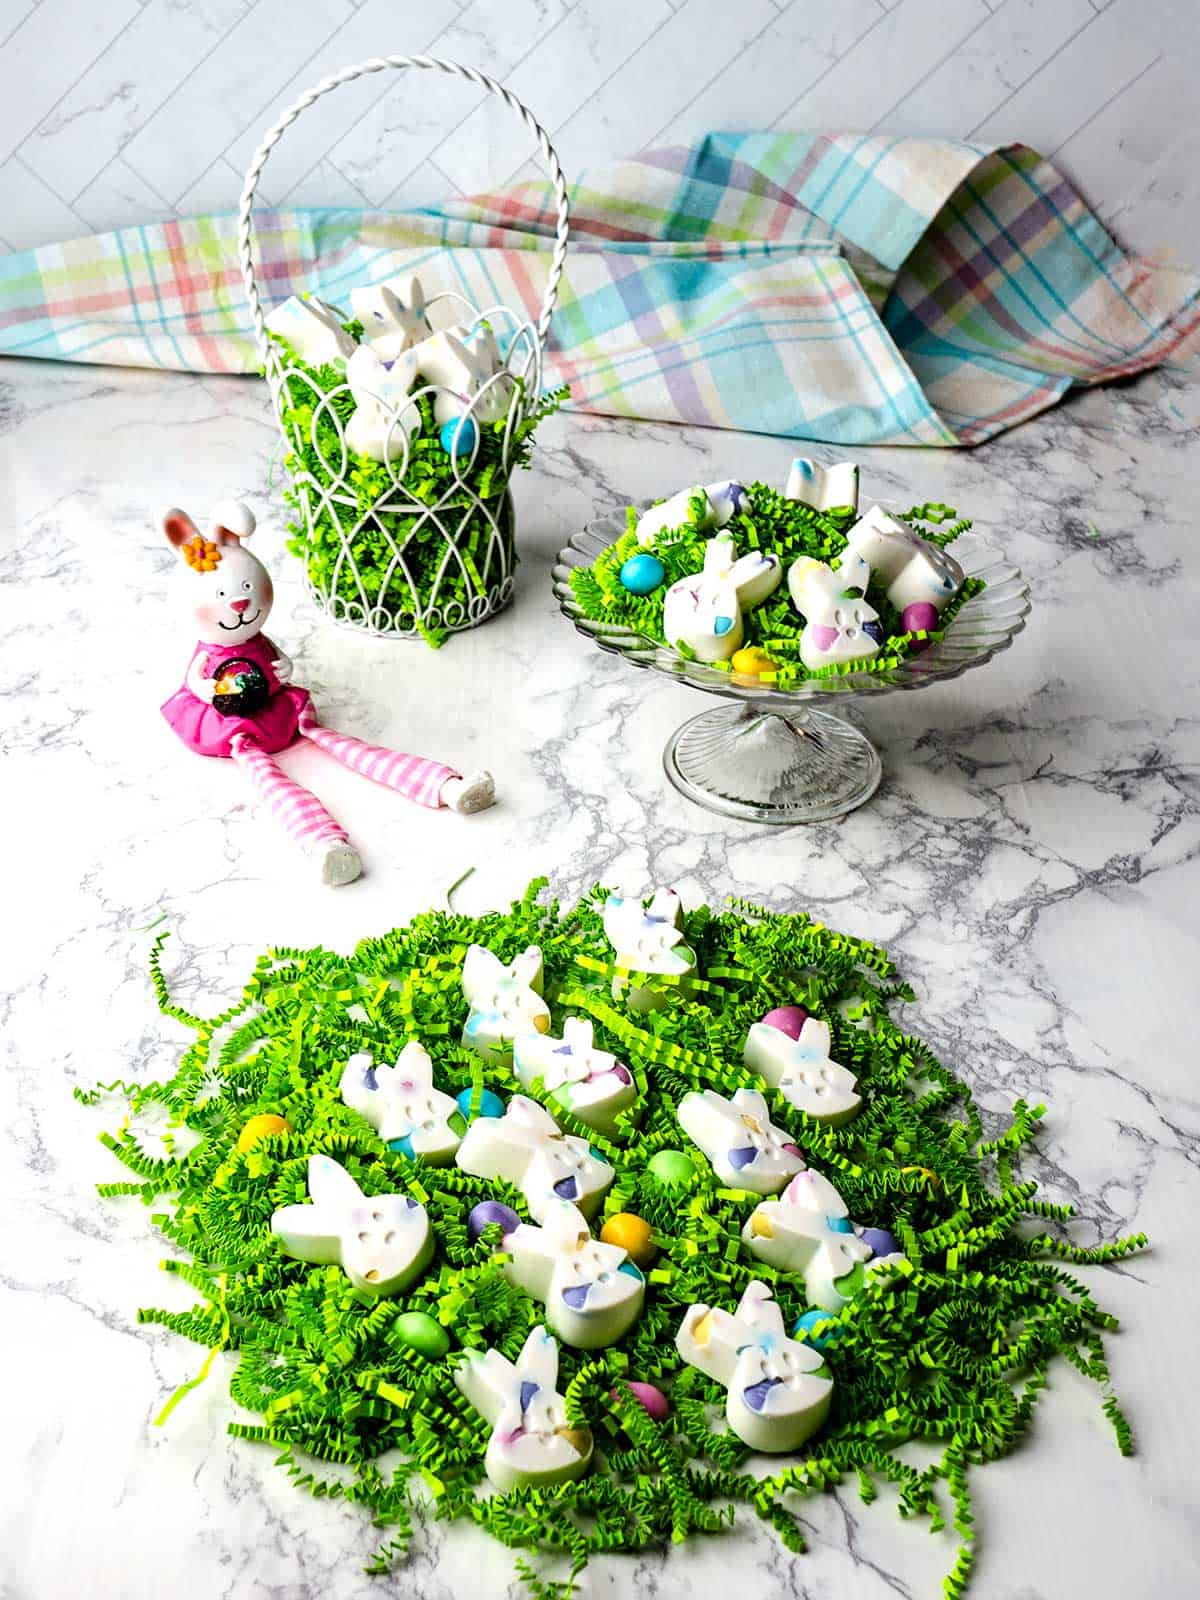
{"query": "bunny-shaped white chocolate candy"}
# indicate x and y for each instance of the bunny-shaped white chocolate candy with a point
(704, 611)
(531, 1444)
(381, 1242)
(803, 1071)
(722, 501)
(832, 488)
(592, 1291)
(526, 1147)
(384, 417)
(469, 373)
(912, 568)
(839, 625)
(313, 330)
(808, 1229)
(746, 1149)
(591, 1084)
(505, 1000)
(393, 316)
(402, 1105)
(647, 939)
(779, 1391)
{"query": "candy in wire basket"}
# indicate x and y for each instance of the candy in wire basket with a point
(403, 419)
(781, 605)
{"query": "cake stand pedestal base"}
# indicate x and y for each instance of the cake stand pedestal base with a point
(807, 766)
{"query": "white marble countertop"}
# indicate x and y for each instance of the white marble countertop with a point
(1031, 859)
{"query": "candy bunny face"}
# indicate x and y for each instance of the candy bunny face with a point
(803, 1070)
(381, 1242)
(746, 1149)
(808, 1230)
(824, 488)
(591, 1084)
(526, 1147)
(393, 316)
(647, 939)
(224, 591)
(779, 1391)
(402, 1105)
(505, 1001)
(839, 623)
(532, 1445)
(314, 331)
(384, 418)
(592, 1291)
(705, 610)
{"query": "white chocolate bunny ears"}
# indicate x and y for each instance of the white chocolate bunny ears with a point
(704, 611)
(505, 999)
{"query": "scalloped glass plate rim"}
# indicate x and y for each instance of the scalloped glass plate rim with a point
(986, 624)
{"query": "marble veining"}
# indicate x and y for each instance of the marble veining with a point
(1031, 859)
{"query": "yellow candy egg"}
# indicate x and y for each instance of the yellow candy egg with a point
(261, 1127)
(752, 662)
(631, 1234)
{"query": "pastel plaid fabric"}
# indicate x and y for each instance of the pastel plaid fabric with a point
(845, 289)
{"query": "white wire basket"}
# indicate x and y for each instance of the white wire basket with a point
(398, 565)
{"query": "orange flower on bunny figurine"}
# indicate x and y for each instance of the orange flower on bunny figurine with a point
(238, 699)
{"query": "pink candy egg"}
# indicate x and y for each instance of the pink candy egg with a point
(920, 617)
(788, 1019)
(653, 1401)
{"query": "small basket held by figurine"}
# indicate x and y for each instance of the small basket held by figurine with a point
(400, 447)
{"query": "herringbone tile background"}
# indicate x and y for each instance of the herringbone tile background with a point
(121, 111)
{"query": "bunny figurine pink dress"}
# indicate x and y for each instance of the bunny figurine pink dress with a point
(237, 699)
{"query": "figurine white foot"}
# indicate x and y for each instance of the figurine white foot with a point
(340, 862)
(475, 792)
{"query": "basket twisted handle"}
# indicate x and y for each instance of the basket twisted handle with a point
(381, 64)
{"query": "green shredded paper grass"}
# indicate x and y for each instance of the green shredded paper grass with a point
(790, 530)
(954, 1355)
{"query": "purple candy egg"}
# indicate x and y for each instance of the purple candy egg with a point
(881, 1241)
(652, 1401)
(920, 617)
(788, 1019)
(487, 1212)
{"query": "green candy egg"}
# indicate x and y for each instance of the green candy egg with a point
(671, 1168)
(421, 1333)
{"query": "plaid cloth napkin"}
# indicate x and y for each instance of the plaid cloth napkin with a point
(845, 289)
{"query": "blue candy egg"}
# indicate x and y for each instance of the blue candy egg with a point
(807, 1321)
(642, 574)
(458, 436)
(490, 1105)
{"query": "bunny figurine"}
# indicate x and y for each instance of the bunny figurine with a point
(531, 1444)
(393, 316)
(238, 699)
(314, 331)
(705, 611)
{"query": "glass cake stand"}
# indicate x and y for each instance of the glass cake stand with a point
(778, 756)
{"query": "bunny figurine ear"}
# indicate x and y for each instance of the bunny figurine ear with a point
(232, 521)
(178, 527)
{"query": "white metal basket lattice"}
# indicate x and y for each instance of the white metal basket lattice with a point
(401, 566)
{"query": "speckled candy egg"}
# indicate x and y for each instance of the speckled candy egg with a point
(881, 1241)
(631, 1234)
(421, 1333)
(788, 1019)
(488, 1105)
(671, 1168)
(488, 1211)
(642, 574)
(919, 617)
(652, 1401)
(261, 1127)
(458, 436)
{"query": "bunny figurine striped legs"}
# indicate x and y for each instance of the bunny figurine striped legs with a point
(429, 783)
(298, 812)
